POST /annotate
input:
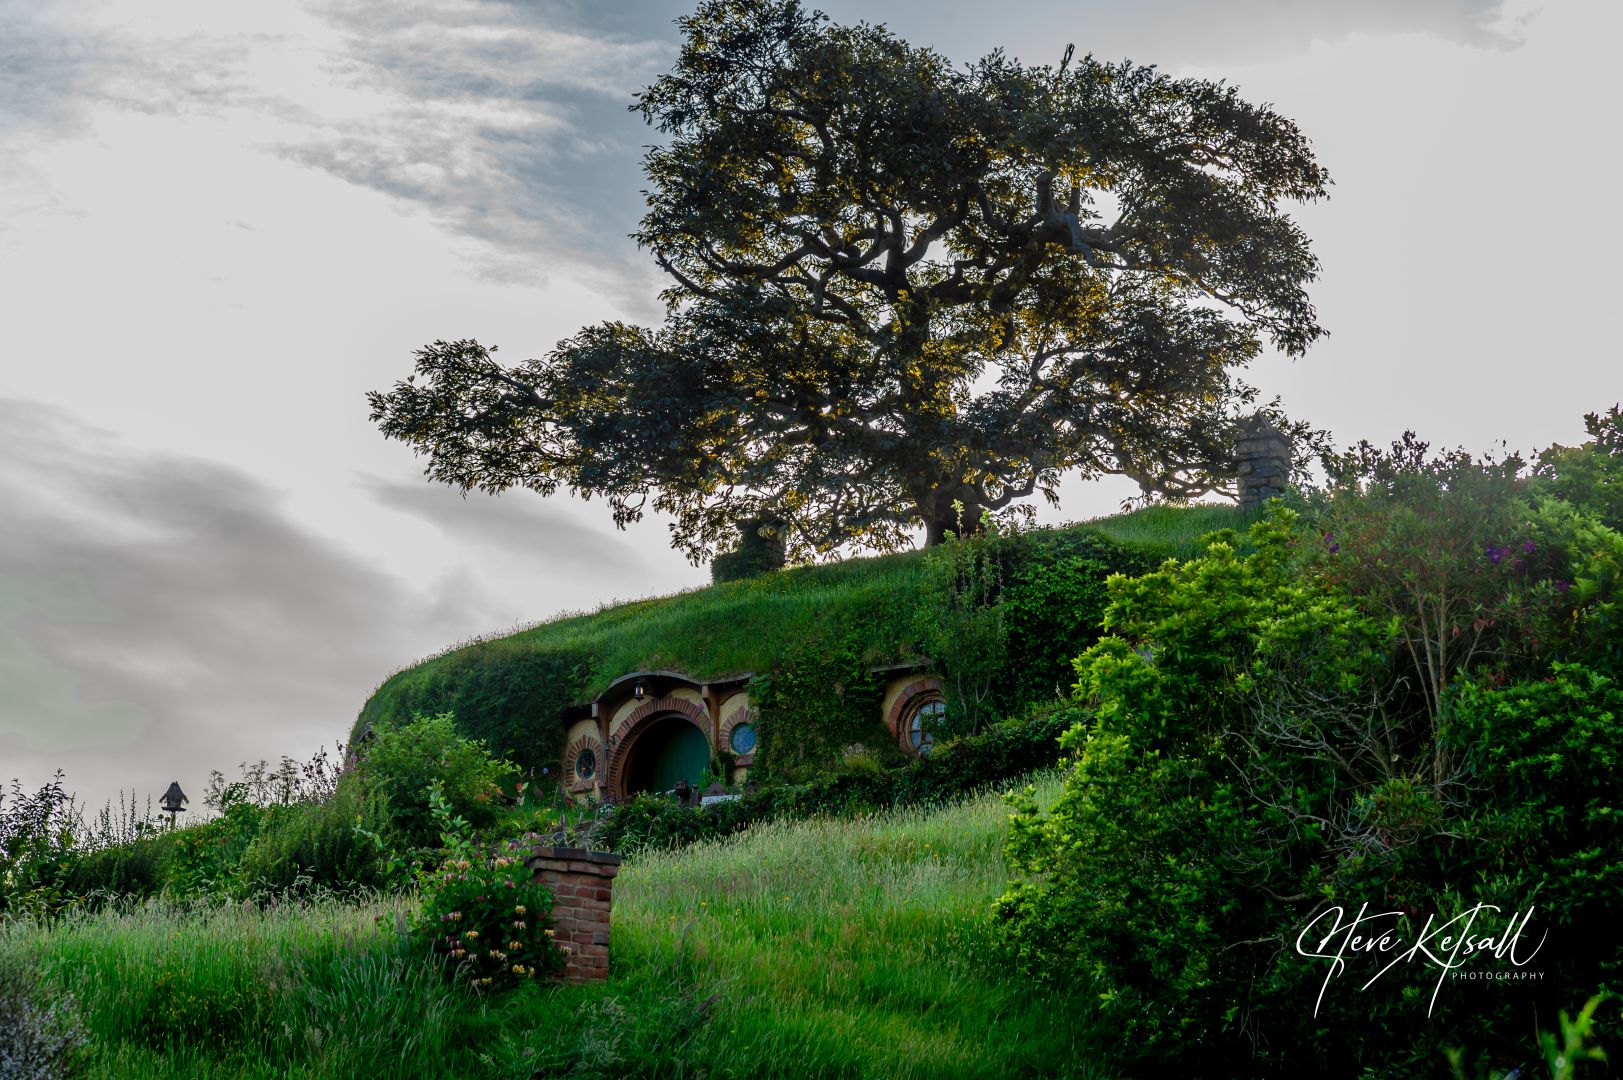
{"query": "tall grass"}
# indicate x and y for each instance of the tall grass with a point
(1174, 529)
(327, 987)
(799, 949)
(859, 950)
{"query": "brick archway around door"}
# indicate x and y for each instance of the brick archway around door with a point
(623, 739)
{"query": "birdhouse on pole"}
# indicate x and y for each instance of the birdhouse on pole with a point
(172, 800)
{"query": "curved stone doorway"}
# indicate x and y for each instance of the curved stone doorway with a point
(665, 749)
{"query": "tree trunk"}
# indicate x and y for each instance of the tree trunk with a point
(939, 520)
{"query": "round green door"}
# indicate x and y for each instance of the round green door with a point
(683, 754)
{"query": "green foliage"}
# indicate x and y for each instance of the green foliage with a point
(819, 699)
(1158, 856)
(1440, 544)
(1055, 599)
(313, 988)
(404, 762)
(956, 769)
(318, 844)
(1547, 757)
(137, 868)
(36, 847)
(961, 620)
(1369, 706)
(482, 911)
(506, 694)
(802, 950)
(39, 1039)
(205, 858)
(1589, 477)
(897, 283)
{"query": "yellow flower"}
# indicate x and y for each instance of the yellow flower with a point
(518, 969)
(472, 934)
(515, 945)
(519, 910)
(547, 932)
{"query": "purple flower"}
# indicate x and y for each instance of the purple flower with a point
(1334, 548)
(1562, 586)
(1495, 554)
(1529, 547)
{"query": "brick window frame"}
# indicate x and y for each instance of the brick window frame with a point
(573, 783)
(743, 715)
(913, 696)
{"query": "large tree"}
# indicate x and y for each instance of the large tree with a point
(898, 284)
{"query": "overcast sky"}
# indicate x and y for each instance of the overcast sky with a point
(221, 224)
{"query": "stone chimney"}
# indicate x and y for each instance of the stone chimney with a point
(1263, 453)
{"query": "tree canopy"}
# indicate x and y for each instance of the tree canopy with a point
(899, 284)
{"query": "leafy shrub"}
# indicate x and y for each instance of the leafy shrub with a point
(1366, 707)
(404, 761)
(134, 869)
(1589, 477)
(1133, 875)
(36, 847)
(1440, 544)
(38, 1040)
(482, 911)
(1548, 756)
(955, 769)
(319, 844)
(961, 624)
(1054, 607)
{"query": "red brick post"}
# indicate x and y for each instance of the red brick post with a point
(582, 887)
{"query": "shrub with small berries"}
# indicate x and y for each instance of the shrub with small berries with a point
(482, 911)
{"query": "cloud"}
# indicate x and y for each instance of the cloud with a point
(1179, 33)
(518, 526)
(509, 123)
(506, 122)
(57, 65)
(162, 613)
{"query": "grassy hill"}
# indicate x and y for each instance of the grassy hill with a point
(734, 627)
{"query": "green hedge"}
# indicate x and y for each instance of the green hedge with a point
(956, 768)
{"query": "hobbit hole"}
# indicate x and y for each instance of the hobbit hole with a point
(651, 729)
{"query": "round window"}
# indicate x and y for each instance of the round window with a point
(921, 730)
(586, 764)
(742, 740)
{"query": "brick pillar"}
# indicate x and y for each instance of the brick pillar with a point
(582, 887)
(1263, 453)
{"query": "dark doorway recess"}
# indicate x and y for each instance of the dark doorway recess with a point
(670, 748)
